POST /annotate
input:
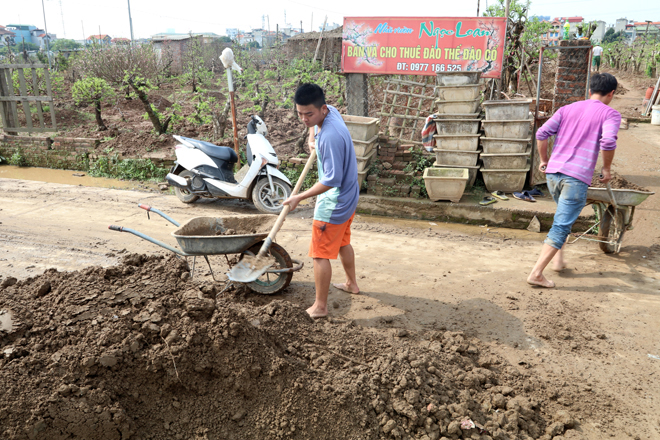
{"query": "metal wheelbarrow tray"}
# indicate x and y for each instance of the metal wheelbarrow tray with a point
(204, 236)
(624, 197)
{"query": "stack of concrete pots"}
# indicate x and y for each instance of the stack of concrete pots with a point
(364, 133)
(506, 153)
(457, 123)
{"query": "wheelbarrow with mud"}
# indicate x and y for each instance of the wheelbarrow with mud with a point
(238, 236)
(615, 209)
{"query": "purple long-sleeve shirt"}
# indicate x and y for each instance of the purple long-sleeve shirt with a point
(582, 128)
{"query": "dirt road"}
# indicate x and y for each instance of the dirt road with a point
(595, 339)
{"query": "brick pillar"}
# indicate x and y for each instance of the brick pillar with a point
(357, 94)
(572, 72)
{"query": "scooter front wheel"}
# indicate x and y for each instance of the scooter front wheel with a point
(184, 195)
(267, 201)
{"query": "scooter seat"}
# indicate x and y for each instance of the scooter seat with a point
(223, 153)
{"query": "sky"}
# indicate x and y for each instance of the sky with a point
(69, 18)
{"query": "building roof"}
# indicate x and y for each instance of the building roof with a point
(335, 33)
(98, 37)
(179, 37)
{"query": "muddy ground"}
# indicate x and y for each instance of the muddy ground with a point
(108, 344)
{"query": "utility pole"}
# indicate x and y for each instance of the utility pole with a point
(130, 20)
(83, 29)
(47, 37)
(301, 29)
(478, 1)
(506, 35)
(311, 24)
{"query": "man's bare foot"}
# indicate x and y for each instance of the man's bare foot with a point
(540, 282)
(346, 288)
(558, 267)
(317, 312)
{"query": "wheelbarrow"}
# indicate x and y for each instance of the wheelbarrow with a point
(615, 209)
(204, 236)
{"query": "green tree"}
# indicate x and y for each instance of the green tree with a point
(93, 91)
(523, 39)
(64, 44)
(611, 36)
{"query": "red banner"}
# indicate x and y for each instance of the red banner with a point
(422, 45)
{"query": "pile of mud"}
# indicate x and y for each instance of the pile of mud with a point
(617, 182)
(138, 351)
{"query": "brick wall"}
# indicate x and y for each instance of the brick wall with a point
(329, 52)
(60, 152)
(572, 72)
(56, 152)
(392, 178)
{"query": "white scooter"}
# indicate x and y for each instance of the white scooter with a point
(203, 169)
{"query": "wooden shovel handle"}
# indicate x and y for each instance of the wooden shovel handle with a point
(287, 208)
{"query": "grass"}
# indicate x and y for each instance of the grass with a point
(126, 169)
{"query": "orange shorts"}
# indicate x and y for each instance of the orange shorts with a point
(328, 238)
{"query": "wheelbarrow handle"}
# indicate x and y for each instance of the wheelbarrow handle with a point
(159, 212)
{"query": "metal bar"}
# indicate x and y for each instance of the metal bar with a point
(299, 265)
(49, 92)
(401, 116)
(24, 66)
(31, 130)
(412, 94)
(35, 85)
(26, 107)
(586, 92)
(160, 213)
(26, 98)
(152, 240)
(566, 47)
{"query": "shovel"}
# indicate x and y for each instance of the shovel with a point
(250, 268)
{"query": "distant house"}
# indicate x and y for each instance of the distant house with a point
(103, 39)
(552, 37)
(176, 45)
(642, 29)
(6, 35)
(30, 34)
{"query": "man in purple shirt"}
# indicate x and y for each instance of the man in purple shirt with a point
(583, 129)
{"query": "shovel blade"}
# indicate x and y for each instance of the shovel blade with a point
(250, 268)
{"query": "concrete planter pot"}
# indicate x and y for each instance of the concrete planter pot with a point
(462, 142)
(457, 158)
(507, 110)
(458, 93)
(505, 161)
(457, 126)
(363, 161)
(444, 116)
(362, 148)
(472, 173)
(505, 180)
(459, 106)
(515, 129)
(460, 78)
(361, 128)
(445, 183)
(500, 146)
(361, 176)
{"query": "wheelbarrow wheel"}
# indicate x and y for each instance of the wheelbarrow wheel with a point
(611, 231)
(184, 195)
(272, 283)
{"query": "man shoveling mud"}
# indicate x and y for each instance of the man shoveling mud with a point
(582, 128)
(336, 192)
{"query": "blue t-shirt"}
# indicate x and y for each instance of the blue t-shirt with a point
(338, 169)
